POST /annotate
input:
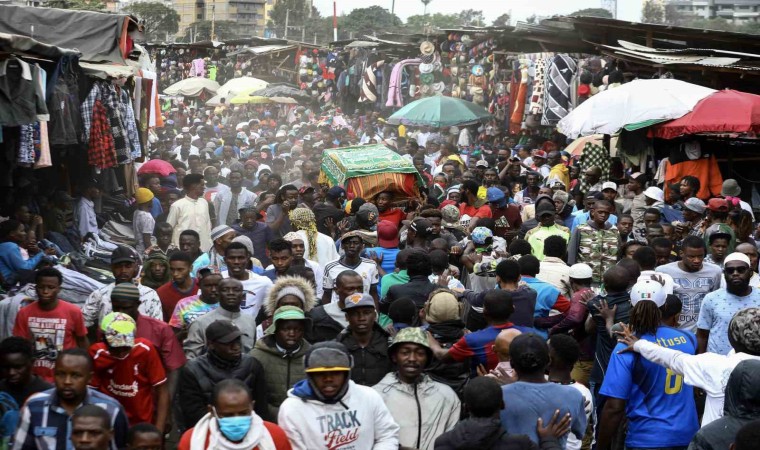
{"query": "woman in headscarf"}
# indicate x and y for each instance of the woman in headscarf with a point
(155, 272)
(319, 247)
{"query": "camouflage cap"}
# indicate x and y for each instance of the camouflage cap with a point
(411, 335)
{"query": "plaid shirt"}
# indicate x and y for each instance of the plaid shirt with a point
(128, 114)
(101, 153)
(86, 110)
(118, 130)
(45, 425)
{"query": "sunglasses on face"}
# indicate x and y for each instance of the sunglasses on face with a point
(741, 270)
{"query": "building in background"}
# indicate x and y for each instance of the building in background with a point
(734, 11)
(247, 16)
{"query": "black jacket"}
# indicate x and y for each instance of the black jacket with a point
(454, 375)
(418, 289)
(741, 406)
(198, 378)
(487, 433)
(323, 327)
(371, 363)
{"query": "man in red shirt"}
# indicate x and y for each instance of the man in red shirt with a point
(125, 298)
(52, 325)
(394, 215)
(181, 286)
(232, 424)
(129, 369)
(471, 205)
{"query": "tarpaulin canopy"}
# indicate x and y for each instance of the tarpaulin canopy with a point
(100, 37)
(282, 90)
(368, 170)
(193, 87)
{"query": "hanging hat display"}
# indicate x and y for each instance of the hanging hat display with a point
(426, 68)
(427, 48)
(477, 70)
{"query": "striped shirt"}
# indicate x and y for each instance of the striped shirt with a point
(45, 425)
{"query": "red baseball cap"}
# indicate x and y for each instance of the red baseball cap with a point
(717, 204)
(387, 234)
(539, 154)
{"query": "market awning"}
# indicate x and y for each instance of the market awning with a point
(99, 37)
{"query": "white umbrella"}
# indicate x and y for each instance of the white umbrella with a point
(192, 87)
(234, 87)
(633, 105)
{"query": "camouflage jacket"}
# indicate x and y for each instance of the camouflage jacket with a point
(595, 247)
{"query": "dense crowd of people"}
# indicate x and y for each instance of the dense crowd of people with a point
(518, 303)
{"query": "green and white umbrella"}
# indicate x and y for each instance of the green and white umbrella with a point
(439, 111)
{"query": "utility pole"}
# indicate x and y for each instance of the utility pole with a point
(335, 20)
(287, 17)
(393, 6)
(213, 21)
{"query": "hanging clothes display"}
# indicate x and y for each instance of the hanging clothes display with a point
(594, 155)
(369, 83)
(21, 100)
(558, 84)
(706, 169)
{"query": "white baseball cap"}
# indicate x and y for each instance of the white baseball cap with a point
(581, 271)
(655, 193)
(649, 290)
(609, 185)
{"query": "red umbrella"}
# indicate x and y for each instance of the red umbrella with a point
(725, 111)
(157, 166)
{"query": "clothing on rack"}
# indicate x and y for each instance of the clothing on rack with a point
(557, 102)
(22, 101)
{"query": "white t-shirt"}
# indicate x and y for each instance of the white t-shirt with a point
(256, 289)
(366, 268)
(573, 443)
(142, 223)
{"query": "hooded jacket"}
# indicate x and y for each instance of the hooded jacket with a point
(371, 363)
(290, 282)
(283, 370)
(360, 419)
(742, 406)
(424, 410)
(147, 278)
(480, 433)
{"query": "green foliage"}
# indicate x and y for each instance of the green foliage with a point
(472, 18)
(158, 19)
(417, 22)
(502, 20)
(82, 5)
(593, 12)
(296, 18)
(653, 11)
(368, 20)
(224, 29)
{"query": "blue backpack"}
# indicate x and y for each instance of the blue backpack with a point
(9, 417)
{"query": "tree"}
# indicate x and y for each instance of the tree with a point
(201, 30)
(471, 17)
(653, 11)
(531, 19)
(374, 19)
(82, 5)
(593, 12)
(502, 20)
(159, 20)
(418, 22)
(297, 17)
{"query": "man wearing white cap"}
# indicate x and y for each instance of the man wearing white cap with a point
(719, 307)
(632, 384)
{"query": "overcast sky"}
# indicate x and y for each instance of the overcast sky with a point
(627, 9)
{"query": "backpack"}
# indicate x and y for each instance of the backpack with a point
(9, 417)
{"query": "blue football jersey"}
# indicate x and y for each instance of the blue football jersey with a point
(659, 406)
